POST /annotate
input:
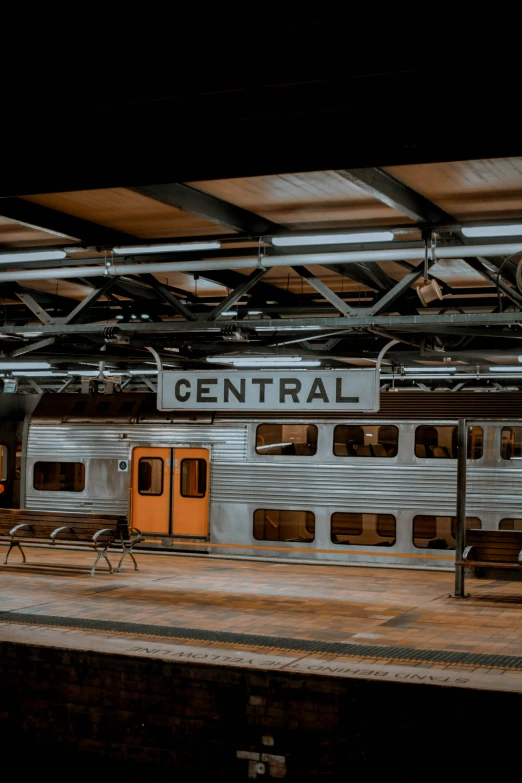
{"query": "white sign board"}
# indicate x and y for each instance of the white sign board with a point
(272, 390)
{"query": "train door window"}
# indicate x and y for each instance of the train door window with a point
(150, 476)
(355, 440)
(442, 442)
(18, 461)
(510, 524)
(279, 525)
(431, 532)
(193, 478)
(289, 439)
(511, 443)
(363, 529)
(59, 476)
(3, 463)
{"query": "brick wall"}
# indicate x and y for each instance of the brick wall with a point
(93, 716)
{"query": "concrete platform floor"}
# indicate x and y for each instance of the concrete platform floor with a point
(51, 601)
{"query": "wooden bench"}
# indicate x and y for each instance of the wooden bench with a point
(98, 532)
(493, 549)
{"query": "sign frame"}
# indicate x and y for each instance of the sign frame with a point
(304, 391)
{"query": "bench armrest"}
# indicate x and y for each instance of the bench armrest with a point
(19, 527)
(60, 530)
(134, 531)
(467, 553)
(105, 530)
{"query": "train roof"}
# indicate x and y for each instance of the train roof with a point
(135, 408)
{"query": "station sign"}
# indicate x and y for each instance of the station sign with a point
(273, 390)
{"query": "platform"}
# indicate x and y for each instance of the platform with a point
(337, 621)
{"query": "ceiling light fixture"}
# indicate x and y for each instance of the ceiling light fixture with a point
(229, 312)
(333, 239)
(264, 361)
(430, 369)
(514, 230)
(183, 247)
(506, 368)
(254, 312)
(36, 255)
(430, 289)
(24, 366)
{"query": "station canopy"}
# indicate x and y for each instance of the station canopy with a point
(245, 257)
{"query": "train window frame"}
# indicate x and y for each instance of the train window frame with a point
(510, 519)
(199, 460)
(452, 522)
(515, 456)
(452, 437)
(370, 455)
(4, 456)
(144, 493)
(60, 489)
(290, 443)
(289, 511)
(361, 514)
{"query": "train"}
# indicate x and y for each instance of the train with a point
(376, 489)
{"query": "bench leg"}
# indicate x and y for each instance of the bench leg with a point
(102, 553)
(127, 551)
(11, 546)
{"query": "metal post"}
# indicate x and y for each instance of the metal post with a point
(461, 506)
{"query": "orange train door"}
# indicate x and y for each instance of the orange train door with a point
(170, 490)
(190, 492)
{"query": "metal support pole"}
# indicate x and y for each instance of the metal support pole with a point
(461, 507)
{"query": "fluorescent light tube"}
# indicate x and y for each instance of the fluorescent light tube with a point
(41, 374)
(333, 239)
(13, 365)
(183, 247)
(140, 372)
(229, 312)
(273, 359)
(507, 368)
(430, 369)
(268, 363)
(36, 255)
(254, 312)
(514, 230)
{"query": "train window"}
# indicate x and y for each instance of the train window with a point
(355, 440)
(193, 478)
(59, 476)
(103, 406)
(298, 440)
(442, 442)
(431, 532)
(363, 529)
(3, 463)
(79, 407)
(150, 476)
(510, 524)
(274, 525)
(511, 443)
(126, 407)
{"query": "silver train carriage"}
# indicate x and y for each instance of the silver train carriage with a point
(378, 489)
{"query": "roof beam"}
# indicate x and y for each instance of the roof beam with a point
(323, 289)
(29, 347)
(83, 306)
(396, 194)
(35, 308)
(396, 292)
(359, 320)
(55, 222)
(230, 279)
(235, 295)
(169, 297)
(215, 210)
